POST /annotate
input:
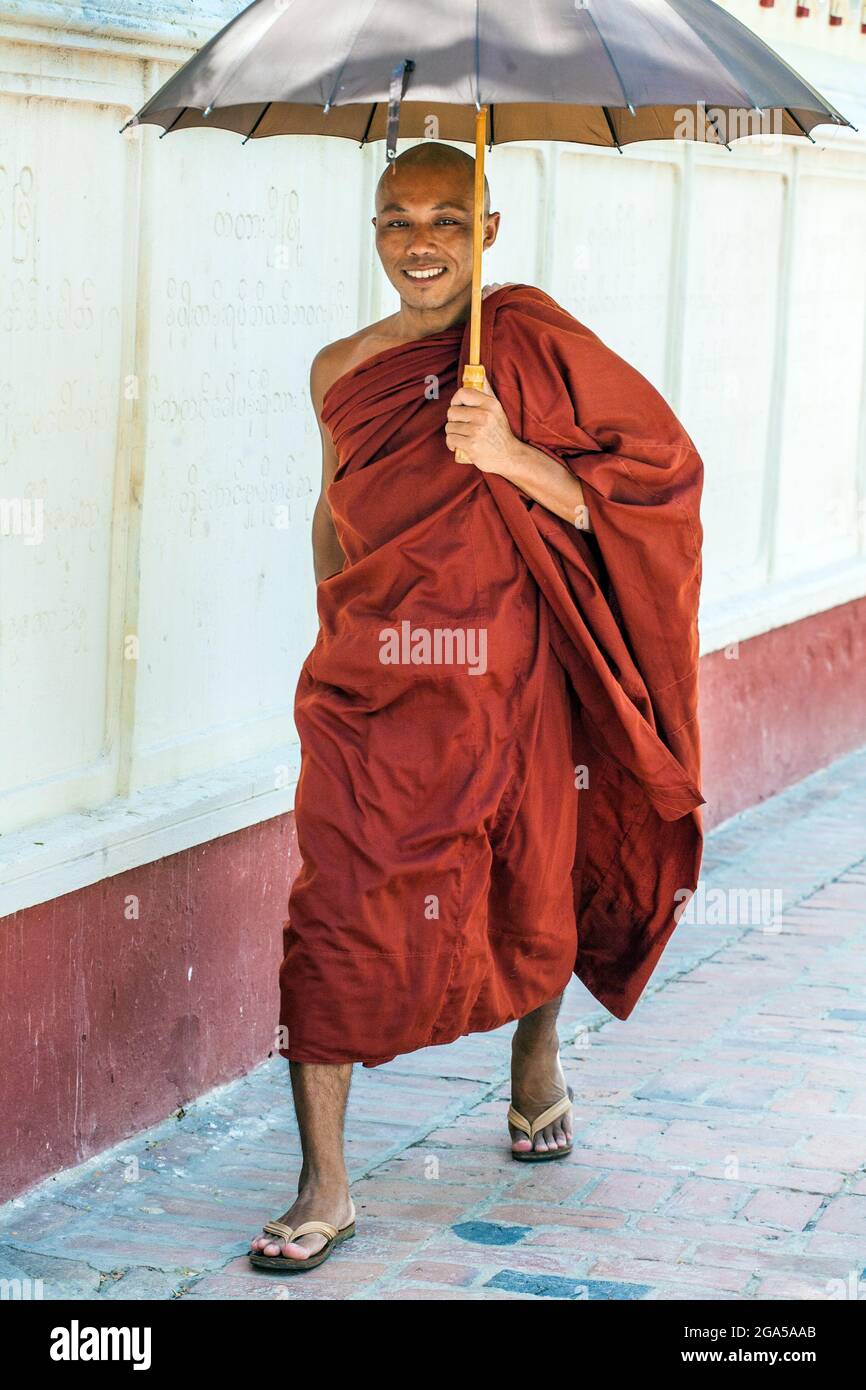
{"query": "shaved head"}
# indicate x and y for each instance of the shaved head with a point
(430, 155)
(425, 213)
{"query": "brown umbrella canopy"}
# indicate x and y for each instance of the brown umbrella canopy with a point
(598, 72)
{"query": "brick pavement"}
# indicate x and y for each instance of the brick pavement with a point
(720, 1146)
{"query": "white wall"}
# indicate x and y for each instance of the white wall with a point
(160, 302)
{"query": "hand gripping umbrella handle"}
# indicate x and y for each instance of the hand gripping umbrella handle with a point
(473, 375)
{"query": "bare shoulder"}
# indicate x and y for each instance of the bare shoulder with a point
(331, 361)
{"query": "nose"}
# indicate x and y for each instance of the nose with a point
(420, 242)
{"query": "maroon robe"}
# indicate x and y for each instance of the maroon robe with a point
(498, 721)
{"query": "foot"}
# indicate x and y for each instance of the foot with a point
(538, 1081)
(331, 1204)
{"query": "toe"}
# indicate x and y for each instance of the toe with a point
(303, 1248)
(266, 1245)
(521, 1145)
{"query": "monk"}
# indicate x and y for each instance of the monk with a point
(500, 753)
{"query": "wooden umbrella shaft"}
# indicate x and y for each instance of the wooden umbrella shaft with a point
(473, 371)
(477, 240)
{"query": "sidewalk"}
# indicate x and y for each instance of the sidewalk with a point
(720, 1144)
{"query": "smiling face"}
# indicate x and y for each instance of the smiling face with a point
(424, 226)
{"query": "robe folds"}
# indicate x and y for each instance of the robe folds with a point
(500, 752)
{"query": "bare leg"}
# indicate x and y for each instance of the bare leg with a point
(537, 1079)
(320, 1094)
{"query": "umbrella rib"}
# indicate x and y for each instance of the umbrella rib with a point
(235, 69)
(824, 104)
(705, 41)
(711, 122)
(798, 122)
(190, 63)
(349, 51)
(610, 58)
(490, 113)
(182, 112)
(258, 122)
(611, 128)
(369, 123)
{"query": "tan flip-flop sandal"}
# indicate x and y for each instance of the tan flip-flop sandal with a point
(306, 1228)
(534, 1127)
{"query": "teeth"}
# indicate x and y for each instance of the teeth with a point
(425, 274)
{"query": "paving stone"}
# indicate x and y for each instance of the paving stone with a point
(549, 1286)
(720, 1131)
(138, 1284)
(845, 1215)
(791, 1210)
(489, 1233)
(29, 1275)
(438, 1272)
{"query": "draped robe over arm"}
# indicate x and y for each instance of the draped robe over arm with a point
(472, 832)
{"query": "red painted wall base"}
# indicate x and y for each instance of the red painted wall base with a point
(781, 706)
(129, 998)
(112, 1020)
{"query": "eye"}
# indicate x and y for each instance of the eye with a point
(398, 222)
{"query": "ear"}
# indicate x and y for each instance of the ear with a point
(491, 229)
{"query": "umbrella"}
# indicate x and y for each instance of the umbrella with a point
(597, 72)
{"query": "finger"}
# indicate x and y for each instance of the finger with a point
(463, 437)
(469, 395)
(460, 446)
(489, 397)
(476, 396)
(461, 414)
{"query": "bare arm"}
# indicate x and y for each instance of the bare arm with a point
(328, 556)
(546, 481)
